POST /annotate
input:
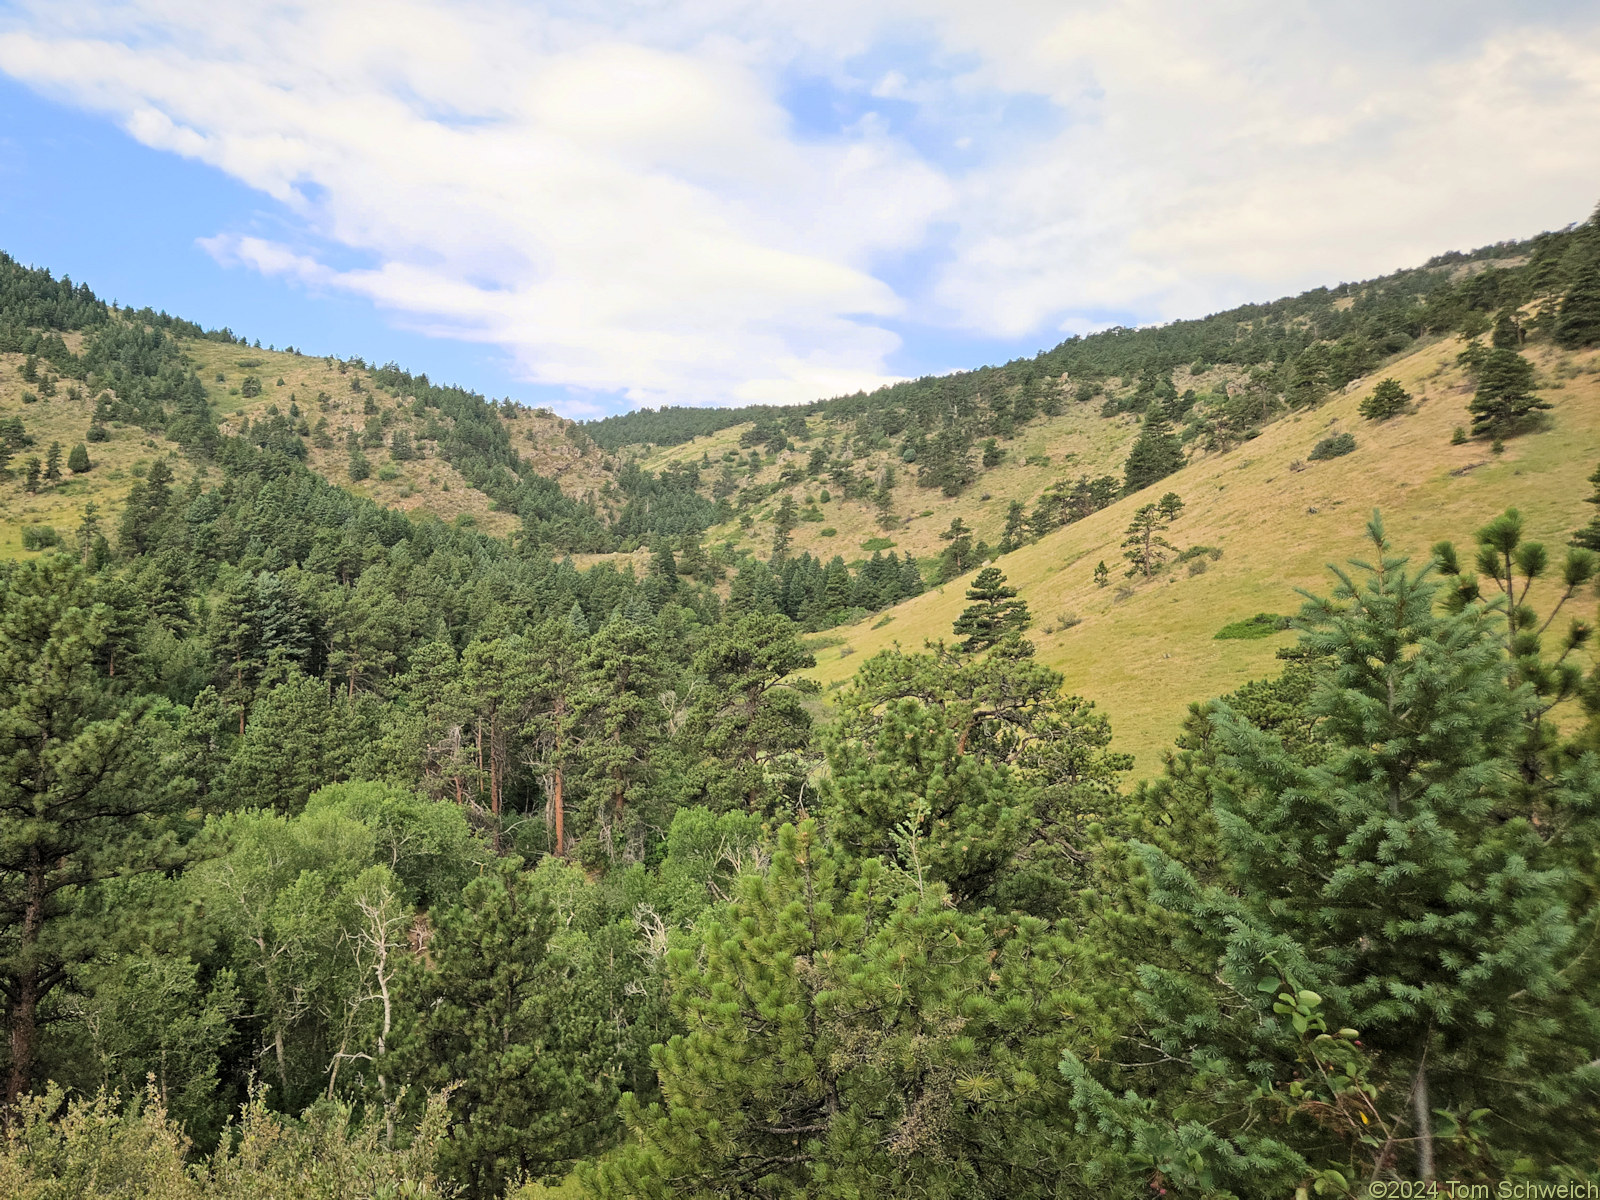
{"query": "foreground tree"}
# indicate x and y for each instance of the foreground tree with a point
(856, 1039)
(81, 797)
(1388, 399)
(1390, 977)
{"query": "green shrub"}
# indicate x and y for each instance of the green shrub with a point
(39, 537)
(1259, 626)
(877, 543)
(830, 531)
(1333, 446)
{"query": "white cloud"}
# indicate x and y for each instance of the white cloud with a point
(618, 198)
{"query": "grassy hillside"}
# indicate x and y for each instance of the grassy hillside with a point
(1143, 656)
(330, 399)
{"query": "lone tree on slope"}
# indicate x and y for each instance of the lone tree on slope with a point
(996, 611)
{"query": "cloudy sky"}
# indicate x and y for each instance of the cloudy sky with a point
(600, 206)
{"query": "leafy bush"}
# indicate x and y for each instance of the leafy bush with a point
(1259, 626)
(1334, 446)
(830, 531)
(877, 543)
(39, 537)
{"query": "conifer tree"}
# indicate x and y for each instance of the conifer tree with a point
(31, 473)
(1389, 911)
(1156, 454)
(1388, 399)
(81, 798)
(1102, 574)
(1589, 536)
(52, 463)
(1578, 318)
(497, 1016)
(851, 1034)
(1015, 529)
(996, 612)
(1504, 401)
(78, 460)
(1144, 546)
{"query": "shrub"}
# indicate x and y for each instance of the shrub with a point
(98, 433)
(877, 543)
(388, 473)
(1334, 446)
(830, 531)
(1259, 626)
(39, 537)
(250, 387)
(1459, 437)
(882, 622)
(78, 460)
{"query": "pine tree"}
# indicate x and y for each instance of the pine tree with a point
(1156, 454)
(783, 523)
(498, 1016)
(81, 798)
(78, 460)
(996, 612)
(1016, 521)
(1144, 546)
(52, 463)
(1504, 401)
(1388, 399)
(848, 1033)
(1389, 908)
(31, 473)
(1102, 574)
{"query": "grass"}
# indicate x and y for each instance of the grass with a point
(1145, 659)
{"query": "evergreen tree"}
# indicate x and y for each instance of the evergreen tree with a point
(957, 557)
(1388, 399)
(1578, 319)
(1144, 546)
(1016, 520)
(783, 523)
(31, 473)
(78, 460)
(1589, 536)
(498, 1015)
(996, 612)
(1156, 454)
(1394, 889)
(81, 797)
(1102, 574)
(854, 1037)
(1504, 401)
(1507, 333)
(52, 463)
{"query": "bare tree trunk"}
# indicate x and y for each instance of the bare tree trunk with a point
(1424, 1120)
(561, 817)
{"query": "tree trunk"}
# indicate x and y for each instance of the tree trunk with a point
(1424, 1119)
(561, 818)
(24, 1012)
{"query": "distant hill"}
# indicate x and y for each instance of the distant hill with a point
(862, 516)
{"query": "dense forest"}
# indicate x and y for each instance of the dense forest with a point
(345, 852)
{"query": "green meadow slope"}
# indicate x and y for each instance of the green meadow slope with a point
(1144, 650)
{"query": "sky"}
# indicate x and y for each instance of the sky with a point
(600, 206)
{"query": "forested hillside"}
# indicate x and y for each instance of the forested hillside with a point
(937, 792)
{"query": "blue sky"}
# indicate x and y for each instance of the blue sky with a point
(706, 201)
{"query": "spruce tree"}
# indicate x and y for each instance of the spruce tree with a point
(78, 460)
(996, 612)
(52, 463)
(31, 473)
(1156, 454)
